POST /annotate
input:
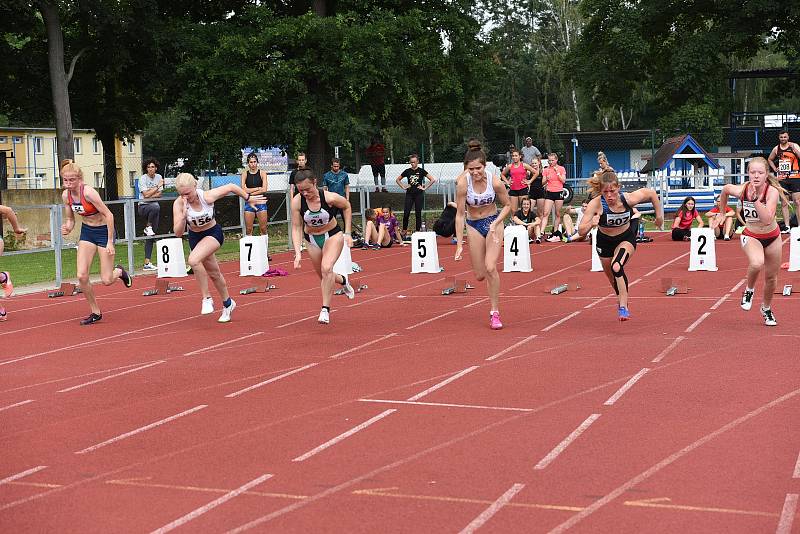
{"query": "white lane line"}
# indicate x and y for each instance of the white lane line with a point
(479, 301)
(442, 383)
(797, 468)
(270, 381)
(722, 299)
(564, 320)
(426, 321)
(737, 286)
(598, 301)
(367, 344)
(210, 506)
(508, 349)
(787, 514)
(343, 436)
(12, 478)
(552, 455)
(665, 264)
(625, 387)
(141, 429)
(697, 322)
(549, 274)
(449, 405)
(495, 507)
(159, 362)
(645, 475)
(666, 351)
(70, 378)
(210, 347)
(15, 405)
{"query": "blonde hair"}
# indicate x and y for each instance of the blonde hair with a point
(68, 165)
(185, 179)
(601, 178)
(773, 181)
(602, 160)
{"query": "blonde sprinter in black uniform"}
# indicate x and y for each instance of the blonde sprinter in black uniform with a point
(612, 210)
(314, 218)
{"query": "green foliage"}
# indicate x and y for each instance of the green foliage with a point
(694, 118)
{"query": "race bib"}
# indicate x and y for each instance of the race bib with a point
(617, 219)
(78, 208)
(784, 166)
(749, 211)
(201, 220)
(316, 220)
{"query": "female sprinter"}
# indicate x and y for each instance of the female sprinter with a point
(761, 236)
(317, 209)
(519, 183)
(194, 208)
(97, 232)
(5, 278)
(476, 191)
(612, 211)
(254, 181)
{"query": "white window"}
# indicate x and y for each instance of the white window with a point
(38, 145)
(3, 139)
(95, 145)
(131, 147)
(98, 179)
(132, 176)
(78, 145)
(17, 140)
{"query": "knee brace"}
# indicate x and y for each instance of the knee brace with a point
(618, 269)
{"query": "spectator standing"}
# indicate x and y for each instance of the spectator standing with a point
(415, 187)
(686, 215)
(151, 187)
(554, 176)
(376, 153)
(254, 182)
(520, 179)
(787, 169)
(337, 181)
(301, 164)
(530, 152)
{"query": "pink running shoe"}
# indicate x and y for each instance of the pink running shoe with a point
(8, 287)
(3, 314)
(494, 322)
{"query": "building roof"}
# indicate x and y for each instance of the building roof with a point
(680, 145)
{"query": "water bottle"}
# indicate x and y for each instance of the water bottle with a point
(641, 231)
(422, 227)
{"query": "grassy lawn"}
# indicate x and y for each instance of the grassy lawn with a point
(40, 266)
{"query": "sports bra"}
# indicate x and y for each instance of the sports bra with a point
(83, 206)
(749, 206)
(612, 219)
(253, 180)
(202, 217)
(317, 219)
(480, 199)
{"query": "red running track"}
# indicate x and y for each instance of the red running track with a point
(407, 413)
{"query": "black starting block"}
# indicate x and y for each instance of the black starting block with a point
(572, 284)
(162, 287)
(259, 289)
(674, 286)
(358, 289)
(787, 289)
(456, 286)
(65, 288)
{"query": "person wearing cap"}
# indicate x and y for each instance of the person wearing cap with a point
(529, 152)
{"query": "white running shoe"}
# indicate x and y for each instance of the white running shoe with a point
(747, 299)
(226, 312)
(769, 317)
(208, 306)
(148, 230)
(149, 267)
(324, 316)
(349, 291)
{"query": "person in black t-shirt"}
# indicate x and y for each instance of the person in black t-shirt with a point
(526, 216)
(301, 164)
(415, 177)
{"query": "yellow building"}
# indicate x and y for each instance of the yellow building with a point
(33, 160)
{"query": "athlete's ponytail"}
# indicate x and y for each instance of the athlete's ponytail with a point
(474, 152)
(68, 165)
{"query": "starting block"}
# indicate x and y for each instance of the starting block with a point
(65, 288)
(572, 284)
(672, 287)
(456, 286)
(265, 289)
(162, 287)
(787, 289)
(358, 289)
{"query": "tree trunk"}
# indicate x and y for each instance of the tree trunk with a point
(318, 148)
(108, 139)
(432, 158)
(58, 80)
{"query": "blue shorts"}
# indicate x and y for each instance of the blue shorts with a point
(482, 225)
(215, 232)
(256, 208)
(97, 235)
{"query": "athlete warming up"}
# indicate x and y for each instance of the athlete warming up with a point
(476, 193)
(612, 210)
(194, 209)
(5, 278)
(761, 236)
(97, 233)
(314, 213)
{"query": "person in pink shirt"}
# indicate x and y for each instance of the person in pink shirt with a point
(554, 177)
(686, 215)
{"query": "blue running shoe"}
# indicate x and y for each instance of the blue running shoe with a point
(624, 314)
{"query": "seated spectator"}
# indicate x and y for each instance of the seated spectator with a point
(724, 231)
(570, 229)
(445, 225)
(526, 217)
(383, 231)
(686, 215)
(370, 229)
